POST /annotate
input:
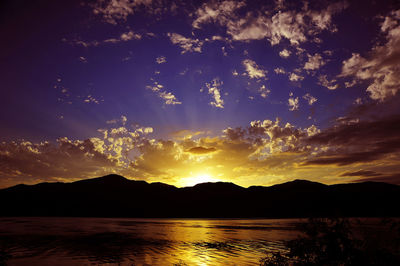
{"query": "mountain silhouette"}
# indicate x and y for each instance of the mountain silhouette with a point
(116, 196)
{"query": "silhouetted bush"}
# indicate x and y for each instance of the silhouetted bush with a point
(336, 241)
(4, 256)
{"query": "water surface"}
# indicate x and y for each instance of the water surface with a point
(85, 241)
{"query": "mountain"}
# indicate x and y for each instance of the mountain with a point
(116, 196)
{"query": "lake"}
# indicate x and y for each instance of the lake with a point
(124, 241)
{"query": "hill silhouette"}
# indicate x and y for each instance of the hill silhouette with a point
(116, 196)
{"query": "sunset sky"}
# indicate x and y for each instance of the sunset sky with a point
(182, 92)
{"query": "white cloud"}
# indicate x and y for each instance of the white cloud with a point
(124, 119)
(130, 35)
(83, 59)
(284, 53)
(161, 59)
(215, 92)
(91, 99)
(264, 91)
(168, 97)
(293, 103)
(295, 77)
(323, 81)
(358, 101)
(280, 25)
(314, 62)
(253, 70)
(294, 26)
(312, 130)
(309, 98)
(348, 84)
(187, 44)
(215, 12)
(279, 70)
(124, 37)
(121, 120)
(381, 67)
(113, 11)
(224, 52)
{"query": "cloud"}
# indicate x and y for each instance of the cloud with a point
(309, 98)
(83, 59)
(213, 89)
(292, 25)
(215, 11)
(279, 70)
(187, 44)
(186, 134)
(293, 103)
(91, 99)
(380, 66)
(253, 70)
(124, 37)
(295, 77)
(388, 178)
(264, 91)
(314, 62)
(201, 150)
(168, 97)
(161, 59)
(284, 53)
(348, 84)
(121, 120)
(130, 35)
(134, 154)
(356, 142)
(114, 11)
(264, 152)
(323, 81)
(224, 51)
(280, 25)
(365, 173)
(46, 161)
(368, 176)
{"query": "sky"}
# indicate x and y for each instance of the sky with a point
(182, 92)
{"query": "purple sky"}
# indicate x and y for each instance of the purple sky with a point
(253, 92)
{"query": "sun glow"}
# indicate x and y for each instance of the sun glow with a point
(197, 178)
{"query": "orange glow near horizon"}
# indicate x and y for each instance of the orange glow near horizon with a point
(196, 178)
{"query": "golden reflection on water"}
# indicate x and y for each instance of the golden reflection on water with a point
(219, 242)
(144, 241)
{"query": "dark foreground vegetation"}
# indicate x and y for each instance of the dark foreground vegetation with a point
(340, 241)
(116, 196)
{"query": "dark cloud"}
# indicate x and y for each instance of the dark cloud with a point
(201, 150)
(361, 173)
(363, 141)
(375, 110)
(66, 159)
(392, 178)
(362, 132)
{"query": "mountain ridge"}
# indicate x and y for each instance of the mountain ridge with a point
(116, 196)
(115, 177)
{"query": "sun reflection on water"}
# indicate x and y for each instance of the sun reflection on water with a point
(51, 241)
